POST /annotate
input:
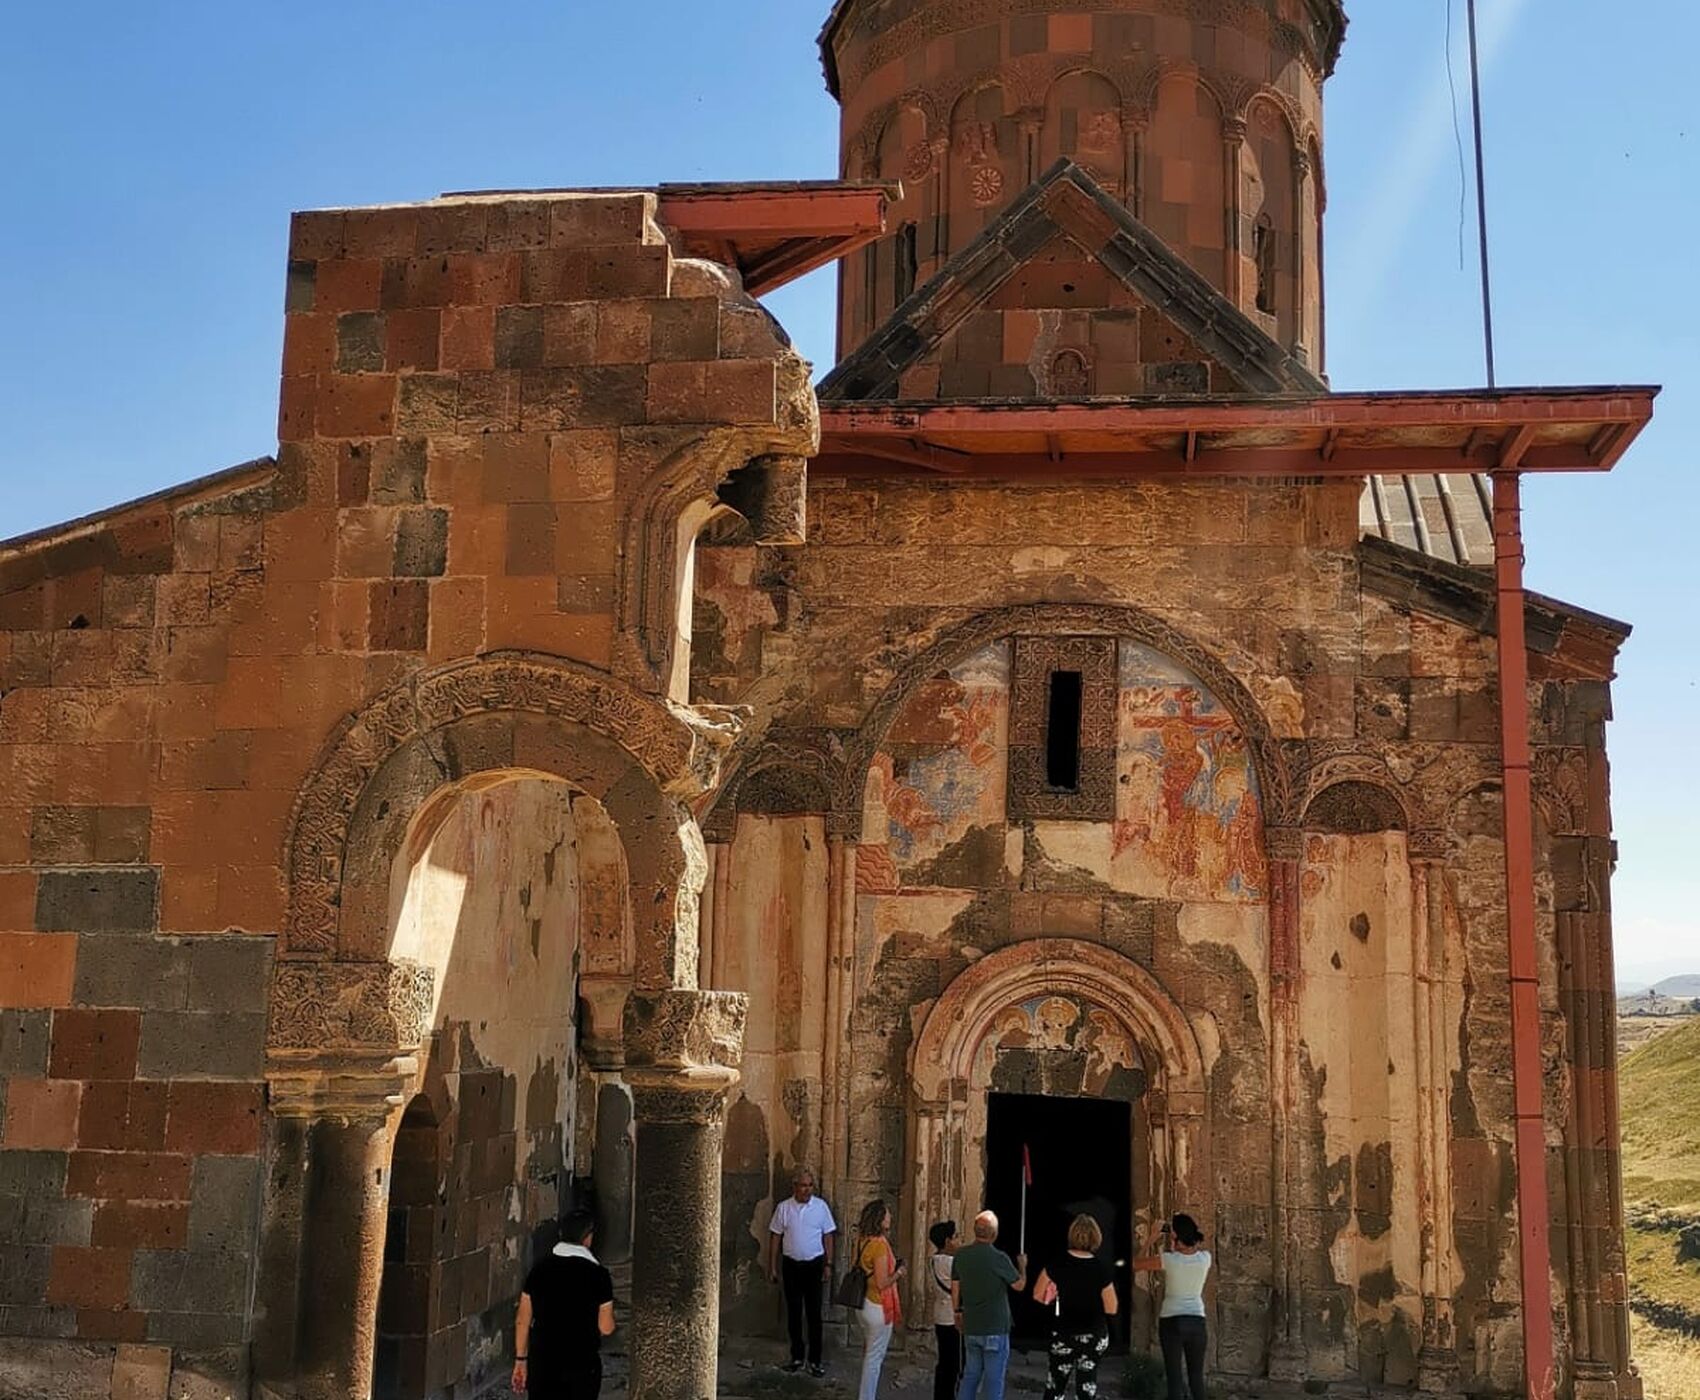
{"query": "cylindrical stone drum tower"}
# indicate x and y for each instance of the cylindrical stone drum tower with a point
(1204, 117)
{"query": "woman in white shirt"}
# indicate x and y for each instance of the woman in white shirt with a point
(1181, 1327)
(948, 1374)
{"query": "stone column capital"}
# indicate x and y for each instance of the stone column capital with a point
(680, 1096)
(1284, 842)
(677, 1030)
(346, 1086)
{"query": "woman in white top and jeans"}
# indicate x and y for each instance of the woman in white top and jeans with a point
(1180, 1324)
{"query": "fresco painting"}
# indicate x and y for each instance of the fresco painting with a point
(1188, 824)
(942, 772)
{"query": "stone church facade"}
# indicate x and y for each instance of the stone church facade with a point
(587, 762)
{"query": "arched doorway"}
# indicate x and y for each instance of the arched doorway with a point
(1023, 1038)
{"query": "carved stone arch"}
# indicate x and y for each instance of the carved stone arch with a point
(952, 1069)
(1354, 808)
(1353, 795)
(1071, 66)
(1249, 96)
(1312, 141)
(1067, 619)
(784, 776)
(943, 1061)
(1140, 88)
(509, 712)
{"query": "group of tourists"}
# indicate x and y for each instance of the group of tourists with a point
(567, 1305)
(970, 1287)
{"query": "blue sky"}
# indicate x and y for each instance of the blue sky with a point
(153, 152)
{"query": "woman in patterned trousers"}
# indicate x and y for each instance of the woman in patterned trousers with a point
(1082, 1288)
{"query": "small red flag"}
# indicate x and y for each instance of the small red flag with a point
(1026, 1165)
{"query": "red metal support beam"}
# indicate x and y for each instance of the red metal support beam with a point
(1535, 1253)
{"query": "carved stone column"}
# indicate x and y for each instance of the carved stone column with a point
(339, 1068)
(840, 961)
(1431, 978)
(1301, 178)
(683, 1049)
(334, 1123)
(1233, 170)
(603, 1047)
(1287, 1358)
(1133, 153)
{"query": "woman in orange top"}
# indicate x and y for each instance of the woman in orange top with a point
(881, 1311)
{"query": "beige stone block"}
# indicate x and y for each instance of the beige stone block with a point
(141, 1372)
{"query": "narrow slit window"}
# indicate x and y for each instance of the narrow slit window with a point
(1062, 732)
(907, 262)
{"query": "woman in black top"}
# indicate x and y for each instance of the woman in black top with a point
(1083, 1288)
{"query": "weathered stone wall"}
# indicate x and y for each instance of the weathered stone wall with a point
(501, 421)
(1358, 703)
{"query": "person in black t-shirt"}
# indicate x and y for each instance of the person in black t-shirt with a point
(1082, 1287)
(565, 1311)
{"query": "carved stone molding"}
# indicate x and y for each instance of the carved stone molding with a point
(1355, 808)
(1560, 777)
(325, 1007)
(678, 747)
(680, 1098)
(1066, 619)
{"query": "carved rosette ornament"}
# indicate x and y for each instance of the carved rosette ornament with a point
(985, 184)
(918, 162)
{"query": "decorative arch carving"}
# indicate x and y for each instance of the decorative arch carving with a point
(786, 776)
(1352, 808)
(945, 1064)
(1352, 794)
(507, 712)
(1066, 619)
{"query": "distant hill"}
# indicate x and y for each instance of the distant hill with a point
(1687, 985)
(1659, 1089)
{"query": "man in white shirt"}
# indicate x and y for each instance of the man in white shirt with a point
(799, 1250)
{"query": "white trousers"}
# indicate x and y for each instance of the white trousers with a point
(876, 1338)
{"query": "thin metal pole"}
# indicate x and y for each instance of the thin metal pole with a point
(1481, 196)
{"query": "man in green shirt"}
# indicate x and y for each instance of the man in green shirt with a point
(981, 1279)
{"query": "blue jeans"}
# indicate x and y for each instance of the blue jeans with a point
(988, 1357)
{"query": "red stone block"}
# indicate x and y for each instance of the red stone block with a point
(36, 969)
(128, 1176)
(484, 279)
(400, 615)
(309, 342)
(411, 341)
(468, 338)
(297, 409)
(94, 1044)
(41, 1114)
(740, 391)
(348, 284)
(141, 1225)
(112, 1325)
(356, 405)
(17, 903)
(380, 233)
(216, 1116)
(315, 234)
(123, 1116)
(83, 1277)
(451, 227)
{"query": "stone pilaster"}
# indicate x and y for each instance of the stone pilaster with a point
(683, 1049)
(1287, 1361)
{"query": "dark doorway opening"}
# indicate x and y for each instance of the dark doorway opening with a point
(401, 1361)
(1082, 1156)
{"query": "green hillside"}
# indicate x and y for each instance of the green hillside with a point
(1659, 1085)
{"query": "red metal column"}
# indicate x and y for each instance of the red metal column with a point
(1536, 1251)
